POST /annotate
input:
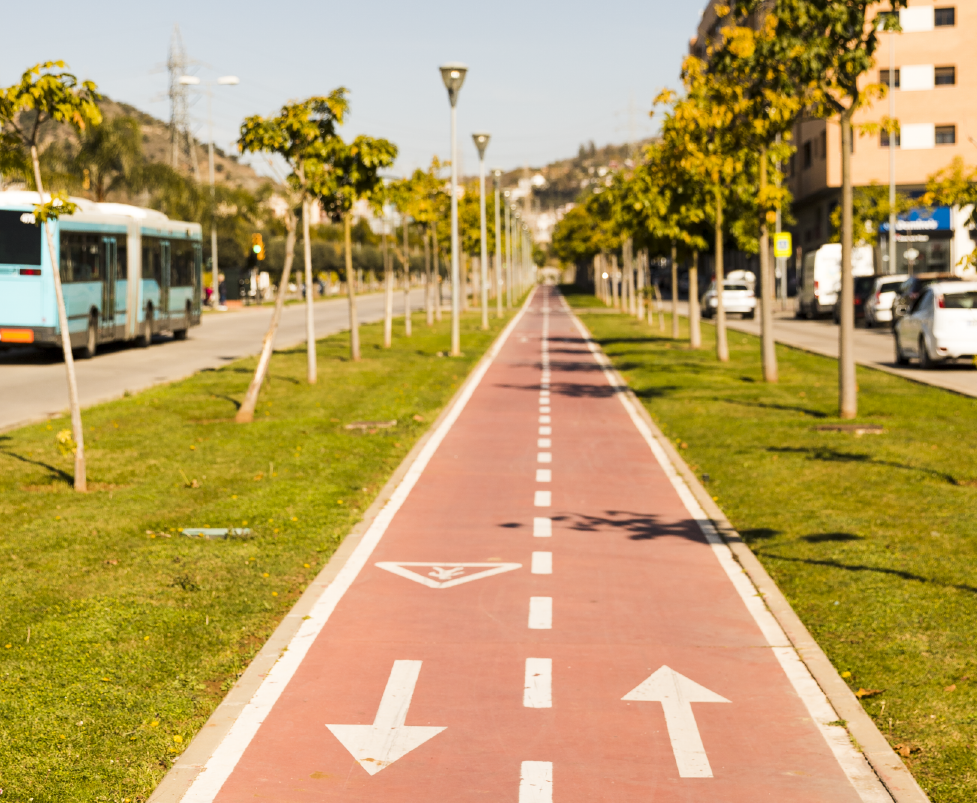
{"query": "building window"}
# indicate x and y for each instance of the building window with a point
(945, 76)
(884, 78)
(946, 135)
(944, 17)
(807, 154)
(884, 139)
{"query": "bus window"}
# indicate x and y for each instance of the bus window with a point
(152, 260)
(20, 238)
(80, 257)
(182, 263)
(122, 262)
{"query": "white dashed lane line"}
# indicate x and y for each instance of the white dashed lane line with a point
(538, 690)
(541, 613)
(544, 475)
(542, 563)
(542, 527)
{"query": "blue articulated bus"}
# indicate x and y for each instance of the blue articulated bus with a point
(128, 273)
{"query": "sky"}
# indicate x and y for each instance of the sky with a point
(543, 77)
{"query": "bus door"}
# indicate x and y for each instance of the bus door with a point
(109, 270)
(164, 288)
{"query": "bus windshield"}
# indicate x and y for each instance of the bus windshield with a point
(20, 238)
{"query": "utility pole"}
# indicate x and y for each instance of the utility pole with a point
(892, 155)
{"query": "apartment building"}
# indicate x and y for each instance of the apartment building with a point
(935, 95)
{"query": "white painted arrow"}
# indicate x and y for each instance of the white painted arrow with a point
(676, 693)
(379, 745)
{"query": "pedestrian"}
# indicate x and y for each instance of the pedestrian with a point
(221, 291)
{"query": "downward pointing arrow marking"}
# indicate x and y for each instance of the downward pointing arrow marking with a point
(379, 745)
(676, 693)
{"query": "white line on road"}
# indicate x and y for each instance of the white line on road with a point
(542, 527)
(543, 499)
(545, 410)
(538, 691)
(542, 563)
(544, 419)
(544, 443)
(541, 613)
(536, 782)
(546, 430)
(544, 457)
(544, 475)
(543, 393)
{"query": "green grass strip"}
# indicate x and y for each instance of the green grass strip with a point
(873, 539)
(118, 634)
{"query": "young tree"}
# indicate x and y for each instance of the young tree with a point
(302, 134)
(47, 93)
(954, 185)
(831, 47)
(351, 173)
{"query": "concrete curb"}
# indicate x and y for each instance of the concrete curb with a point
(181, 775)
(889, 767)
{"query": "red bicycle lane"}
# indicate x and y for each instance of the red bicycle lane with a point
(506, 680)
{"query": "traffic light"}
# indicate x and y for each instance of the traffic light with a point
(258, 246)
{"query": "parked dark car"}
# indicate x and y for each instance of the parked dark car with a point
(864, 287)
(913, 288)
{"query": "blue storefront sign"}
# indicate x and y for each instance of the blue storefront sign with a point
(922, 220)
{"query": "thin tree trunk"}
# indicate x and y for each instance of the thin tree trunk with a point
(767, 347)
(847, 389)
(615, 300)
(435, 252)
(722, 344)
(78, 432)
(695, 316)
(640, 311)
(245, 415)
(407, 320)
(388, 292)
(428, 279)
(354, 324)
(309, 309)
(675, 331)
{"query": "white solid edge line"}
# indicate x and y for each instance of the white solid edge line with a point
(852, 762)
(224, 759)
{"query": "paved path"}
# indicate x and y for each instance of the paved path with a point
(33, 385)
(873, 347)
(540, 613)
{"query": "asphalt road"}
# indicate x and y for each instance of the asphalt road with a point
(33, 386)
(873, 347)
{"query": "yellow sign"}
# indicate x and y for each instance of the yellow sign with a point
(782, 245)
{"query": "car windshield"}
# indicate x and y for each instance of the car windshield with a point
(967, 300)
(740, 287)
(864, 284)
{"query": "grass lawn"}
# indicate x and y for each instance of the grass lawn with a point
(118, 634)
(872, 539)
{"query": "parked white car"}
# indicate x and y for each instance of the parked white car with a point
(738, 299)
(820, 277)
(941, 325)
(878, 306)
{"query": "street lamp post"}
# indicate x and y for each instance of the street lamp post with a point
(508, 255)
(453, 75)
(224, 80)
(498, 251)
(481, 142)
(891, 240)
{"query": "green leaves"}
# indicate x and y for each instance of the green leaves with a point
(57, 206)
(352, 172)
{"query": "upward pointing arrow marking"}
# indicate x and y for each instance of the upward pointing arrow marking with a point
(379, 745)
(676, 693)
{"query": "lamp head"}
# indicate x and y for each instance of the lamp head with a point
(481, 142)
(453, 75)
(189, 80)
(228, 80)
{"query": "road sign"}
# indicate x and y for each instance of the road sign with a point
(782, 244)
(446, 575)
(676, 693)
(379, 745)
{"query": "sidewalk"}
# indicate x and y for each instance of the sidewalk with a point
(541, 612)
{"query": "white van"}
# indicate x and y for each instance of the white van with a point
(820, 278)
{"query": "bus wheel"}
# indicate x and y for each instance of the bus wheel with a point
(181, 334)
(146, 335)
(91, 340)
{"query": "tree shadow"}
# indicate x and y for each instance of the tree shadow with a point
(758, 534)
(53, 471)
(637, 526)
(790, 408)
(235, 402)
(820, 538)
(829, 455)
(854, 567)
(268, 377)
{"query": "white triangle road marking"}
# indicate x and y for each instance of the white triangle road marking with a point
(445, 574)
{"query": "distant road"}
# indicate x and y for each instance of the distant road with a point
(33, 385)
(873, 347)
